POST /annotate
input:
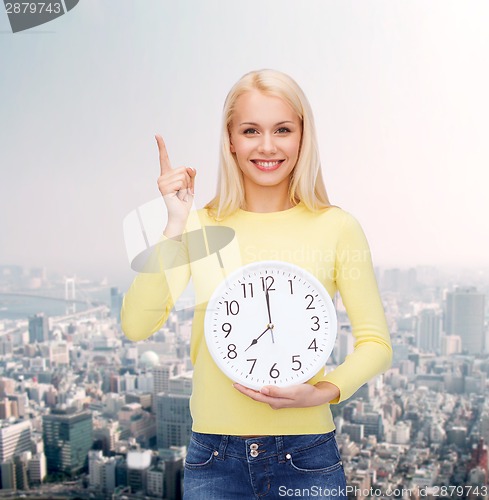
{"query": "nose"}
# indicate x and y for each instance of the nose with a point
(267, 144)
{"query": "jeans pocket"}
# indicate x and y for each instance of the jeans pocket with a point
(322, 458)
(198, 456)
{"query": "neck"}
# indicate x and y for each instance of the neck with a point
(270, 204)
(267, 200)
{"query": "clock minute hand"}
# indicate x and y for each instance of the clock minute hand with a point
(255, 341)
(267, 297)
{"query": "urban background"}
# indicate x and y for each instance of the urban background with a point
(86, 413)
(399, 94)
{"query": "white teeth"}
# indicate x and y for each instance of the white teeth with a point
(267, 164)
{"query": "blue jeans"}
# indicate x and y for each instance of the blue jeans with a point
(230, 467)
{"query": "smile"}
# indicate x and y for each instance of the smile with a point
(267, 165)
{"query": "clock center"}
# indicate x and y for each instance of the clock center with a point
(271, 326)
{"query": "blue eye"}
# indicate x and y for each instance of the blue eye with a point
(250, 131)
(283, 130)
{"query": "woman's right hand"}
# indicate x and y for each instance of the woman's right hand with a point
(177, 188)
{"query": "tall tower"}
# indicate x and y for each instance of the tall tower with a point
(70, 295)
(115, 303)
(465, 317)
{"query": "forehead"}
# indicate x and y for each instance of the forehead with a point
(254, 106)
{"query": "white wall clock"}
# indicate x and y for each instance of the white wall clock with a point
(270, 323)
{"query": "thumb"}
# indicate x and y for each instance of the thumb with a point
(272, 391)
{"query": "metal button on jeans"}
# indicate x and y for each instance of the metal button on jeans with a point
(254, 450)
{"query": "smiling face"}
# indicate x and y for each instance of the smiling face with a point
(265, 135)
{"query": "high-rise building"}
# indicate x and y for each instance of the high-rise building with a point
(173, 458)
(21, 470)
(108, 432)
(37, 468)
(372, 423)
(138, 465)
(429, 330)
(173, 419)
(67, 439)
(14, 439)
(156, 480)
(115, 303)
(355, 431)
(162, 375)
(7, 474)
(38, 328)
(465, 317)
(56, 353)
(101, 471)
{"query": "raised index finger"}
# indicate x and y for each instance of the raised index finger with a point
(165, 165)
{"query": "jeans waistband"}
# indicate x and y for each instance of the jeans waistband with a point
(259, 448)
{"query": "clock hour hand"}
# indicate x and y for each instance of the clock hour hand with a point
(255, 341)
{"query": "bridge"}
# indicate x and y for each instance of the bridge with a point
(31, 295)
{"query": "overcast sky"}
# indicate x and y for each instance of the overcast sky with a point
(399, 92)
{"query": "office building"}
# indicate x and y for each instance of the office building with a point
(67, 440)
(173, 419)
(115, 303)
(162, 375)
(38, 468)
(465, 317)
(38, 328)
(15, 438)
(429, 330)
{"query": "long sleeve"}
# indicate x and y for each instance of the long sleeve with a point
(357, 284)
(153, 292)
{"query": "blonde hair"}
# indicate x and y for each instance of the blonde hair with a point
(306, 182)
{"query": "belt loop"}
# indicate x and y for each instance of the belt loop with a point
(222, 447)
(279, 440)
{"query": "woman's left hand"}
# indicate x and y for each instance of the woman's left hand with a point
(297, 396)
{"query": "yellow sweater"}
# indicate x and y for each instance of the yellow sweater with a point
(330, 244)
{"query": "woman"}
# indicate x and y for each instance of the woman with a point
(277, 441)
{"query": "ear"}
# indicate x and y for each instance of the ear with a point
(231, 145)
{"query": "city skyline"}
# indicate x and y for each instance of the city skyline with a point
(398, 92)
(422, 425)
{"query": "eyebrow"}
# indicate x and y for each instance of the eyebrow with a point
(256, 124)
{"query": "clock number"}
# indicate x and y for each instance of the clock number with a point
(296, 361)
(253, 365)
(267, 283)
(250, 285)
(274, 373)
(232, 307)
(313, 345)
(226, 328)
(291, 289)
(316, 323)
(232, 354)
(310, 306)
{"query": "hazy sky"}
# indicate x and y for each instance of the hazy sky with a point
(399, 90)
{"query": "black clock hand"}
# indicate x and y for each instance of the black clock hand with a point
(255, 341)
(267, 296)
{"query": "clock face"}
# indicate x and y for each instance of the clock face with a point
(270, 323)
